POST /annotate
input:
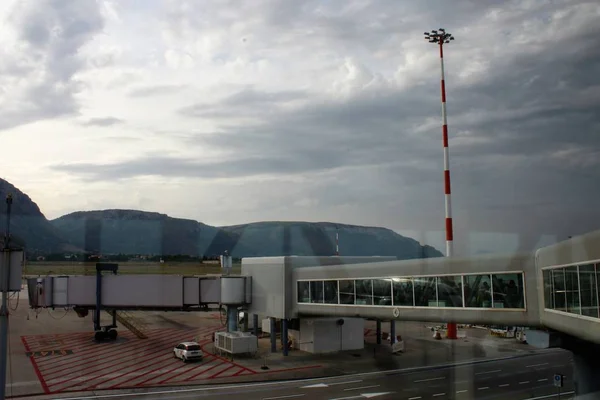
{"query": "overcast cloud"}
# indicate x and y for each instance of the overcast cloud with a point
(309, 110)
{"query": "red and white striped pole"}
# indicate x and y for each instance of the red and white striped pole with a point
(447, 190)
(440, 37)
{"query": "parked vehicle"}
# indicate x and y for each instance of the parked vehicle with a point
(188, 351)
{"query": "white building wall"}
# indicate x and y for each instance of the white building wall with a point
(324, 335)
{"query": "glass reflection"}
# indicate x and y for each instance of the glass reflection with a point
(403, 291)
(346, 292)
(425, 292)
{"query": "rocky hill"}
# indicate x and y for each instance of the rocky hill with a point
(141, 232)
(318, 238)
(132, 231)
(151, 233)
(29, 227)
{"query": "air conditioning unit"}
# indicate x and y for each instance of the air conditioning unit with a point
(236, 342)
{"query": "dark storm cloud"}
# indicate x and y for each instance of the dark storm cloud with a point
(106, 121)
(50, 35)
(247, 102)
(182, 167)
(525, 137)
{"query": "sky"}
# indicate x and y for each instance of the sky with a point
(230, 112)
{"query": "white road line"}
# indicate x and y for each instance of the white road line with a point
(536, 365)
(343, 383)
(439, 394)
(504, 385)
(362, 387)
(488, 372)
(524, 382)
(549, 396)
(430, 379)
(414, 398)
(542, 380)
(461, 391)
(283, 397)
(483, 388)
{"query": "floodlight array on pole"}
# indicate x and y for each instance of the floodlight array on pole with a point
(440, 37)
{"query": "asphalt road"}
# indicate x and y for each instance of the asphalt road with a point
(520, 378)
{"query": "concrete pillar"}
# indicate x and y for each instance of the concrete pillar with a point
(378, 332)
(393, 331)
(273, 335)
(284, 335)
(586, 365)
(585, 373)
(232, 319)
(255, 324)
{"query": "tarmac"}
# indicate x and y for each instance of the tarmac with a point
(52, 353)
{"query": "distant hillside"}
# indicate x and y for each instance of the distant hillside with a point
(29, 227)
(150, 233)
(141, 232)
(307, 238)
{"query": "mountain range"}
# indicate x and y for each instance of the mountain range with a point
(118, 231)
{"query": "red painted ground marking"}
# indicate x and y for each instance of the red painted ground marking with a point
(224, 359)
(35, 368)
(132, 372)
(187, 370)
(184, 376)
(119, 366)
(220, 372)
(72, 368)
(89, 344)
(110, 350)
(131, 361)
(132, 376)
(202, 372)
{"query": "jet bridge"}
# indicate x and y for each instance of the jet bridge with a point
(112, 292)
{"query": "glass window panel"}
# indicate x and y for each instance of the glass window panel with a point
(478, 291)
(508, 290)
(403, 291)
(303, 292)
(316, 291)
(548, 293)
(572, 288)
(425, 292)
(364, 291)
(558, 283)
(346, 292)
(382, 292)
(589, 291)
(449, 289)
(331, 292)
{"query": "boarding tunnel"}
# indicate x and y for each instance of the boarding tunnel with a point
(139, 292)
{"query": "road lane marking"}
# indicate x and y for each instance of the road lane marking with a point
(488, 372)
(362, 387)
(414, 398)
(504, 385)
(430, 379)
(524, 382)
(439, 394)
(542, 380)
(318, 385)
(536, 365)
(483, 388)
(344, 383)
(461, 391)
(550, 395)
(283, 397)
